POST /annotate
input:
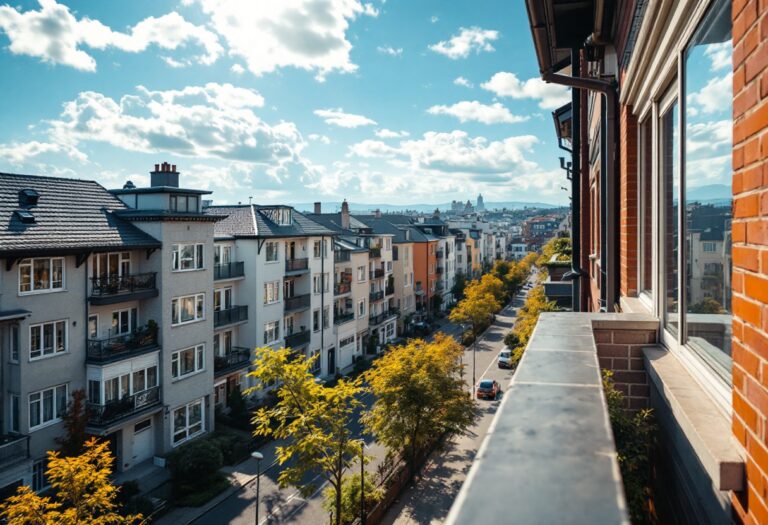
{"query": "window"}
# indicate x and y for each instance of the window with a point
(222, 343)
(389, 266)
(41, 275)
(271, 292)
(144, 379)
(361, 308)
(111, 264)
(188, 361)
(316, 250)
(13, 340)
(47, 406)
(184, 203)
(320, 283)
(315, 356)
(670, 184)
(187, 422)
(39, 479)
(188, 309)
(93, 326)
(271, 332)
(222, 254)
(646, 206)
(47, 339)
(387, 243)
(316, 320)
(708, 246)
(222, 299)
(117, 388)
(15, 411)
(187, 257)
(124, 321)
(360, 274)
(326, 316)
(280, 216)
(347, 341)
(271, 251)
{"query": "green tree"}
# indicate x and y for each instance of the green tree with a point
(419, 396)
(707, 306)
(350, 497)
(313, 419)
(83, 493)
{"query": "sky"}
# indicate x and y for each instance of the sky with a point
(396, 101)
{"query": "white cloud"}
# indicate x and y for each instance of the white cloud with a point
(19, 153)
(468, 40)
(709, 135)
(391, 51)
(56, 36)
(434, 19)
(467, 111)
(337, 117)
(550, 96)
(461, 81)
(390, 134)
(319, 138)
(720, 54)
(237, 69)
(305, 34)
(715, 96)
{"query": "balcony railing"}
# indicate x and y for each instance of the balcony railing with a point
(110, 286)
(439, 286)
(297, 339)
(378, 273)
(297, 302)
(13, 448)
(341, 288)
(296, 265)
(119, 346)
(109, 413)
(389, 290)
(343, 318)
(380, 318)
(440, 270)
(230, 270)
(235, 358)
(341, 255)
(376, 296)
(439, 254)
(231, 315)
(374, 252)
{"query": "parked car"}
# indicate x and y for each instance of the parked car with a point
(488, 389)
(421, 328)
(505, 358)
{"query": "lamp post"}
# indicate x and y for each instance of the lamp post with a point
(258, 456)
(362, 482)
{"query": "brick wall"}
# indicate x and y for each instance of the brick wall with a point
(621, 351)
(628, 202)
(750, 252)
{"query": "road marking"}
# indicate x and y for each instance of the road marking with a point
(291, 498)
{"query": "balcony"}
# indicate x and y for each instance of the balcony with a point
(235, 358)
(296, 266)
(439, 286)
(297, 339)
(111, 289)
(377, 273)
(108, 349)
(341, 256)
(13, 448)
(296, 303)
(439, 254)
(376, 296)
(101, 416)
(342, 288)
(376, 320)
(343, 318)
(230, 270)
(374, 252)
(439, 270)
(389, 290)
(231, 315)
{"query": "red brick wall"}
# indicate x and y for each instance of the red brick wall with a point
(750, 252)
(628, 202)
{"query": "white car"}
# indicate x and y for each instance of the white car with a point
(505, 358)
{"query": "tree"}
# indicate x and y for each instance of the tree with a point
(491, 284)
(477, 307)
(707, 306)
(419, 396)
(350, 497)
(83, 493)
(311, 417)
(75, 422)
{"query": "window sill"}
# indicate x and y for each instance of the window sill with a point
(187, 376)
(44, 425)
(41, 292)
(190, 270)
(705, 427)
(44, 357)
(185, 323)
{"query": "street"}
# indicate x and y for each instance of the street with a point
(427, 502)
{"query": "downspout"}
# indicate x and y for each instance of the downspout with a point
(608, 243)
(576, 186)
(322, 303)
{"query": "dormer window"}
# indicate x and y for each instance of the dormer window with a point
(280, 216)
(185, 203)
(28, 197)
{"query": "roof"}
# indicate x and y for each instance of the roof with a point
(72, 215)
(249, 220)
(160, 189)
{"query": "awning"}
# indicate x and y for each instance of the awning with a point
(13, 315)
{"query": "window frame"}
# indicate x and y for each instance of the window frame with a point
(198, 257)
(273, 326)
(186, 429)
(198, 354)
(176, 310)
(30, 263)
(56, 412)
(43, 355)
(275, 246)
(272, 288)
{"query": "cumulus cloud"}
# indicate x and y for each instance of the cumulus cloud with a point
(709, 135)
(716, 94)
(472, 39)
(390, 134)
(305, 34)
(319, 138)
(237, 69)
(337, 117)
(434, 19)
(461, 81)
(56, 36)
(720, 55)
(550, 96)
(19, 153)
(389, 50)
(467, 111)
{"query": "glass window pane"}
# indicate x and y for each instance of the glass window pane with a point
(708, 179)
(646, 207)
(670, 184)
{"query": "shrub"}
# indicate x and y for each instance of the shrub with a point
(236, 403)
(511, 340)
(213, 486)
(467, 338)
(193, 466)
(350, 497)
(234, 447)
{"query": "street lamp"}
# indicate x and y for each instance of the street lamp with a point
(258, 456)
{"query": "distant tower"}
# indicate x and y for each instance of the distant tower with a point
(480, 205)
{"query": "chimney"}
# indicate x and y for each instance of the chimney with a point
(164, 175)
(318, 208)
(345, 215)
(377, 213)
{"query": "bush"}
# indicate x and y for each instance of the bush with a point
(193, 466)
(213, 486)
(139, 505)
(350, 497)
(511, 340)
(234, 447)
(236, 401)
(468, 337)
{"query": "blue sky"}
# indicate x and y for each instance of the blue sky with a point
(403, 101)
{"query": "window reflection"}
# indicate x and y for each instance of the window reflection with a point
(646, 203)
(670, 184)
(709, 98)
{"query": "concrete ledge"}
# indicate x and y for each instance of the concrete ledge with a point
(707, 430)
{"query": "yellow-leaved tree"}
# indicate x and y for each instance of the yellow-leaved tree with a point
(83, 493)
(312, 418)
(479, 304)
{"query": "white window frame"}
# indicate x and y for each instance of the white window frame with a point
(272, 292)
(176, 310)
(198, 352)
(223, 294)
(361, 308)
(40, 395)
(219, 250)
(362, 273)
(198, 257)
(276, 251)
(41, 350)
(271, 327)
(187, 427)
(30, 264)
(39, 479)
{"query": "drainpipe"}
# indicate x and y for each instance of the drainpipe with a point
(322, 303)
(608, 230)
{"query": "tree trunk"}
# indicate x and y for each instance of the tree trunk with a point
(338, 502)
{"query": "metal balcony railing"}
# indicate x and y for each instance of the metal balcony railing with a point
(233, 314)
(296, 265)
(233, 359)
(106, 285)
(297, 339)
(113, 411)
(125, 345)
(389, 290)
(376, 296)
(13, 448)
(440, 269)
(374, 252)
(341, 255)
(380, 318)
(339, 318)
(297, 302)
(378, 273)
(439, 254)
(228, 270)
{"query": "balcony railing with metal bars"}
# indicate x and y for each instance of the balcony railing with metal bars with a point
(231, 315)
(297, 339)
(341, 256)
(128, 406)
(297, 302)
(374, 252)
(233, 359)
(13, 448)
(341, 288)
(296, 265)
(230, 270)
(380, 318)
(124, 345)
(107, 285)
(341, 318)
(376, 296)
(378, 273)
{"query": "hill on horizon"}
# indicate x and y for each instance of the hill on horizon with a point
(332, 207)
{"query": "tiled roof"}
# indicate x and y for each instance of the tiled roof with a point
(71, 215)
(250, 221)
